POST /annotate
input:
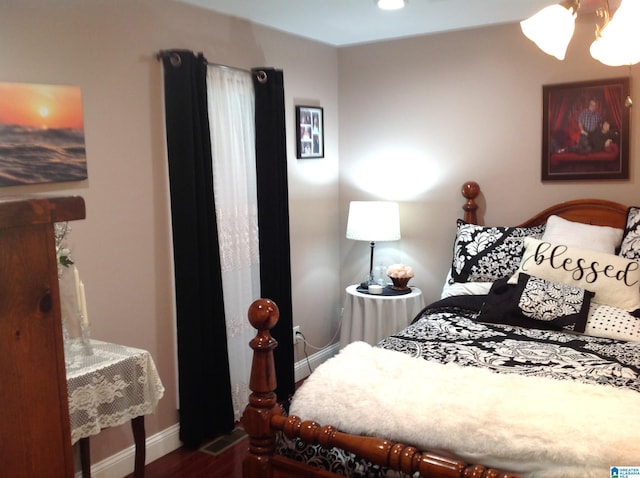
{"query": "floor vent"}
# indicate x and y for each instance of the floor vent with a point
(223, 442)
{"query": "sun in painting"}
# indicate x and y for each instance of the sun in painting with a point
(44, 112)
(41, 106)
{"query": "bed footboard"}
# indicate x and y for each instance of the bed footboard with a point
(263, 418)
(395, 456)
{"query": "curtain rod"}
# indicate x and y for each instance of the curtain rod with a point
(227, 67)
(163, 53)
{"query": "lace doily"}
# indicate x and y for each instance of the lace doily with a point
(110, 387)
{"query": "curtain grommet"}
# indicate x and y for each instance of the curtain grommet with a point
(261, 76)
(175, 60)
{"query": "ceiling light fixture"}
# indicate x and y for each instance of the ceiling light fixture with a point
(552, 27)
(617, 40)
(390, 4)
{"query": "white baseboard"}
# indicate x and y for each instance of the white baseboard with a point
(167, 440)
(301, 368)
(121, 464)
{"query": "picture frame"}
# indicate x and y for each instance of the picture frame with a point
(576, 142)
(41, 134)
(309, 132)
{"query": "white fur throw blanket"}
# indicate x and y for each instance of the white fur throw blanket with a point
(534, 426)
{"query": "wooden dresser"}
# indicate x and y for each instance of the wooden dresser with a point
(35, 438)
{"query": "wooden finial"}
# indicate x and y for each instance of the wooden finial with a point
(263, 314)
(470, 190)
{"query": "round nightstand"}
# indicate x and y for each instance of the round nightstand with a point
(371, 318)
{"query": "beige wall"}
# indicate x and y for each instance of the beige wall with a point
(123, 247)
(420, 116)
(407, 131)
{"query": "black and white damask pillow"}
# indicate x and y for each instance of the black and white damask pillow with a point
(630, 248)
(485, 254)
(536, 304)
(565, 305)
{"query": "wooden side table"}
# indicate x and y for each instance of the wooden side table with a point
(111, 386)
(371, 318)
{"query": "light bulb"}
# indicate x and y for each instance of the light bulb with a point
(390, 4)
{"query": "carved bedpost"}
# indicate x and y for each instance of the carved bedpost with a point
(263, 315)
(470, 190)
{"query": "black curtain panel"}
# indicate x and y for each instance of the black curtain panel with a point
(204, 384)
(273, 216)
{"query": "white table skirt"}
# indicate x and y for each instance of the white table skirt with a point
(371, 318)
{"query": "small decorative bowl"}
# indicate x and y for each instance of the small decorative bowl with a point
(400, 283)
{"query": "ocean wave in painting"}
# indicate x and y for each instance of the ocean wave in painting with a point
(31, 155)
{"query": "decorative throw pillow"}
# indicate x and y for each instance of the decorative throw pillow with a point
(484, 254)
(598, 238)
(612, 323)
(615, 280)
(536, 303)
(561, 304)
(630, 247)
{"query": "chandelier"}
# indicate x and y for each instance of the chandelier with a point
(617, 40)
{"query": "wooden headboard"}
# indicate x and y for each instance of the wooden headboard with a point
(599, 212)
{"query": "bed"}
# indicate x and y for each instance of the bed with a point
(528, 366)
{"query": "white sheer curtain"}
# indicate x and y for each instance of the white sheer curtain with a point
(232, 126)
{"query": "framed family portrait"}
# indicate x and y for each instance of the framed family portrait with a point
(585, 130)
(310, 132)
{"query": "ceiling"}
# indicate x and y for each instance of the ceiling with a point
(348, 22)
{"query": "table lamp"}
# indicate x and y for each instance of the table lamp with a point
(373, 221)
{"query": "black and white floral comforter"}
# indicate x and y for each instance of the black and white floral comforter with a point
(451, 334)
(448, 331)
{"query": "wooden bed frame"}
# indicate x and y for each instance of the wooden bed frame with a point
(263, 417)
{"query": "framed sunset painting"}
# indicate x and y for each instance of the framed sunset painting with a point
(41, 134)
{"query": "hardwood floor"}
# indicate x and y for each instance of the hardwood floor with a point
(184, 463)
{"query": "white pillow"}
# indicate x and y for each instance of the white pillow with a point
(612, 323)
(465, 288)
(614, 280)
(596, 238)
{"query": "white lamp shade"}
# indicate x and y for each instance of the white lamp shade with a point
(619, 42)
(373, 221)
(551, 29)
